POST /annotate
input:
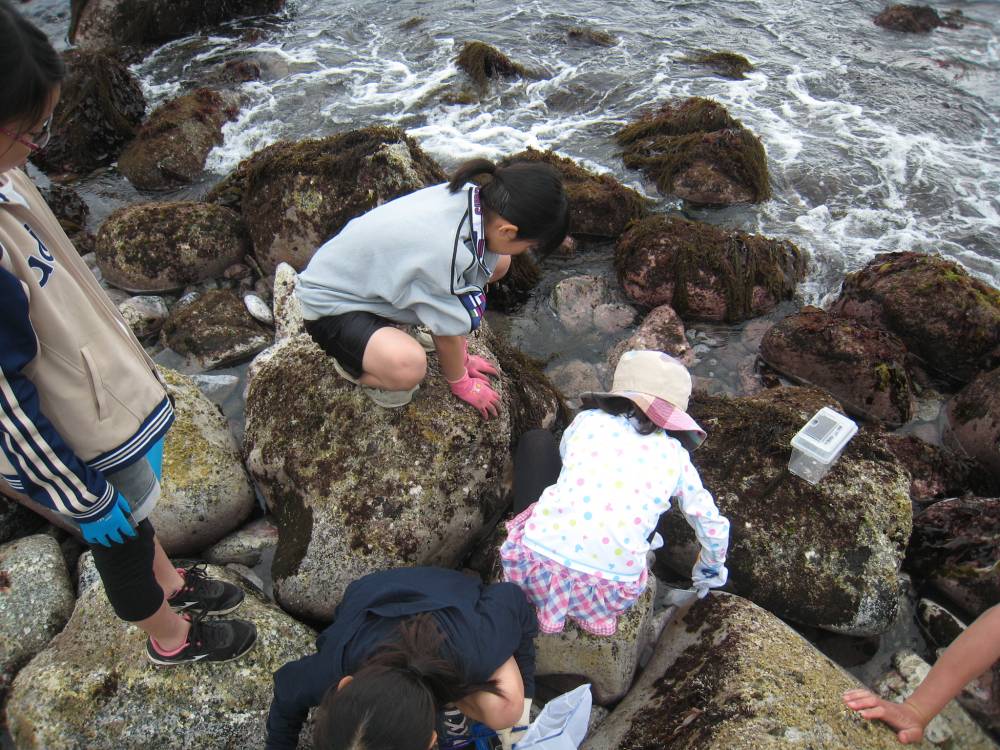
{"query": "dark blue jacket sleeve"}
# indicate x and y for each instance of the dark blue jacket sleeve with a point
(511, 627)
(298, 686)
(48, 470)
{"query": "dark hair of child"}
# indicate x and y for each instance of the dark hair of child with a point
(393, 700)
(620, 405)
(31, 69)
(529, 195)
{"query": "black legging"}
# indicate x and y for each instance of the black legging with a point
(127, 573)
(536, 466)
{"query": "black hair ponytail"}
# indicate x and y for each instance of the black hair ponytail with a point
(29, 68)
(528, 194)
(618, 405)
(392, 701)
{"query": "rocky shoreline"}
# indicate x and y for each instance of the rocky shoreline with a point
(349, 488)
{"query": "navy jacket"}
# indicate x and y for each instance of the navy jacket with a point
(483, 627)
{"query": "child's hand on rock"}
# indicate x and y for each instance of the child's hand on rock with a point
(902, 717)
(478, 393)
(479, 368)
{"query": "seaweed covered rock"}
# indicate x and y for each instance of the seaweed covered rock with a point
(726, 64)
(295, 196)
(663, 331)
(704, 272)
(974, 415)
(955, 548)
(96, 24)
(608, 662)
(916, 19)
(72, 212)
(599, 205)
(727, 675)
(864, 367)
(99, 111)
(953, 727)
(484, 63)
(356, 488)
(94, 688)
(206, 490)
(949, 319)
(171, 147)
(145, 314)
(694, 149)
(935, 472)
(515, 287)
(36, 600)
(214, 330)
(593, 37)
(587, 302)
(825, 555)
(154, 247)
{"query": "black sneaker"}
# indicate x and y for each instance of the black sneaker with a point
(453, 729)
(209, 596)
(209, 640)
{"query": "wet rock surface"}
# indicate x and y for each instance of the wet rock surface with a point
(949, 319)
(295, 196)
(36, 600)
(863, 367)
(144, 314)
(935, 472)
(663, 331)
(695, 150)
(153, 247)
(206, 491)
(483, 63)
(609, 663)
(72, 212)
(99, 111)
(955, 548)
(728, 675)
(825, 555)
(93, 686)
(16, 520)
(724, 64)
(311, 442)
(171, 146)
(583, 303)
(214, 330)
(599, 205)
(704, 272)
(974, 415)
(246, 546)
(917, 19)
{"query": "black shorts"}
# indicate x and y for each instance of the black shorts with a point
(345, 337)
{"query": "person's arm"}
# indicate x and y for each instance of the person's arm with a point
(971, 654)
(710, 526)
(473, 390)
(298, 686)
(497, 711)
(451, 353)
(51, 472)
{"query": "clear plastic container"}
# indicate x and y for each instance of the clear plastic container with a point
(818, 445)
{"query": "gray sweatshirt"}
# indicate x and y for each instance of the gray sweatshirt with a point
(420, 260)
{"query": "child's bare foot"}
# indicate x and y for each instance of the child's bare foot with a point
(904, 718)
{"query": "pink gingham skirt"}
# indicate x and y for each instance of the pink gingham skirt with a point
(558, 592)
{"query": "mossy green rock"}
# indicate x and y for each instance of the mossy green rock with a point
(356, 488)
(599, 205)
(36, 600)
(695, 150)
(704, 272)
(483, 63)
(726, 64)
(949, 319)
(864, 367)
(609, 662)
(171, 147)
(96, 24)
(974, 415)
(206, 491)
(94, 688)
(825, 555)
(728, 675)
(214, 330)
(163, 246)
(99, 111)
(296, 196)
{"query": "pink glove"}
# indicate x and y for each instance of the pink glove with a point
(474, 391)
(476, 366)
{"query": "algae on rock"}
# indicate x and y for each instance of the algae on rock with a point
(483, 63)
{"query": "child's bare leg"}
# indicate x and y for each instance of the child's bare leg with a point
(164, 571)
(393, 361)
(503, 265)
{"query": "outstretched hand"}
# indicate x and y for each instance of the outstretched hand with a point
(477, 393)
(479, 368)
(902, 717)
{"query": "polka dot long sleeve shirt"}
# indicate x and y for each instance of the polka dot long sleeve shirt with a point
(614, 485)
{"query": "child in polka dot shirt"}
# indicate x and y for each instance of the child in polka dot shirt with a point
(580, 550)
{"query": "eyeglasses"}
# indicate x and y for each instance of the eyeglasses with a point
(40, 141)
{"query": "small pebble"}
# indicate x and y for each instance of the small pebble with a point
(259, 309)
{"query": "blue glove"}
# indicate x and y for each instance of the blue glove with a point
(112, 528)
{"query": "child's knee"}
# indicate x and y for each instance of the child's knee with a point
(407, 368)
(503, 265)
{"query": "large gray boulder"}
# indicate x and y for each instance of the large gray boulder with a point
(609, 662)
(36, 600)
(206, 491)
(826, 555)
(94, 688)
(663, 331)
(356, 488)
(246, 546)
(728, 675)
(214, 330)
